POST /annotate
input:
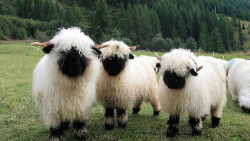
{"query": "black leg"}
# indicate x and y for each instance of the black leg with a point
(196, 125)
(172, 126)
(203, 117)
(156, 113)
(122, 118)
(215, 122)
(57, 133)
(65, 125)
(109, 118)
(136, 110)
(81, 132)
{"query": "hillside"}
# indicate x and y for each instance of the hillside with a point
(154, 24)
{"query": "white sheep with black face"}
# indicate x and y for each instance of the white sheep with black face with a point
(124, 82)
(186, 87)
(64, 82)
(239, 82)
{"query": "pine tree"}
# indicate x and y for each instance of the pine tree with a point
(37, 11)
(216, 43)
(241, 37)
(100, 20)
(191, 44)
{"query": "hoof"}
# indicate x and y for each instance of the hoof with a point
(196, 133)
(156, 113)
(81, 134)
(122, 125)
(215, 122)
(136, 110)
(109, 126)
(56, 138)
(172, 132)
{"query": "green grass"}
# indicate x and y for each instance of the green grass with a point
(21, 121)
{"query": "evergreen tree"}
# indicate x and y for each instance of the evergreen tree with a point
(216, 43)
(177, 42)
(27, 9)
(191, 44)
(241, 37)
(100, 20)
(37, 11)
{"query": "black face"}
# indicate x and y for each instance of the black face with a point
(72, 64)
(113, 65)
(173, 81)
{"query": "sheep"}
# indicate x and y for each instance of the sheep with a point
(183, 90)
(64, 82)
(124, 82)
(239, 82)
(155, 63)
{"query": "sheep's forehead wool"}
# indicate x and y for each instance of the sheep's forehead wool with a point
(115, 47)
(72, 37)
(179, 61)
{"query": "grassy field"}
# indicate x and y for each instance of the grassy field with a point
(21, 121)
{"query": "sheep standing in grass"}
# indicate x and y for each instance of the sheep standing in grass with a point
(64, 82)
(183, 90)
(239, 82)
(124, 82)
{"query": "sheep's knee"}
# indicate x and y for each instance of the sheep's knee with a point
(122, 118)
(81, 132)
(172, 126)
(109, 118)
(196, 125)
(56, 134)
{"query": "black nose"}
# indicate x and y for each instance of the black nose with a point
(173, 81)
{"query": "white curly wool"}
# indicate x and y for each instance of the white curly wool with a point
(135, 83)
(201, 92)
(239, 81)
(59, 97)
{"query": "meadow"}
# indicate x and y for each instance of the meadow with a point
(21, 121)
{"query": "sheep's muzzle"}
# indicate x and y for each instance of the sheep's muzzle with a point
(173, 81)
(72, 63)
(113, 65)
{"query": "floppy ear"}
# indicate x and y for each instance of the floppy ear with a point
(96, 51)
(131, 56)
(48, 48)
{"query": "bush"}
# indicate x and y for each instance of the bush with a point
(41, 36)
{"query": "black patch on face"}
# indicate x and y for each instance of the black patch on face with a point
(194, 122)
(215, 122)
(72, 63)
(245, 109)
(96, 51)
(48, 48)
(113, 65)
(173, 81)
(193, 72)
(172, 123)
(131, 56)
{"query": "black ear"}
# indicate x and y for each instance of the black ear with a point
(193, 72)
(97, 52)
(131, 56)
(48, 48)
(158, 65)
